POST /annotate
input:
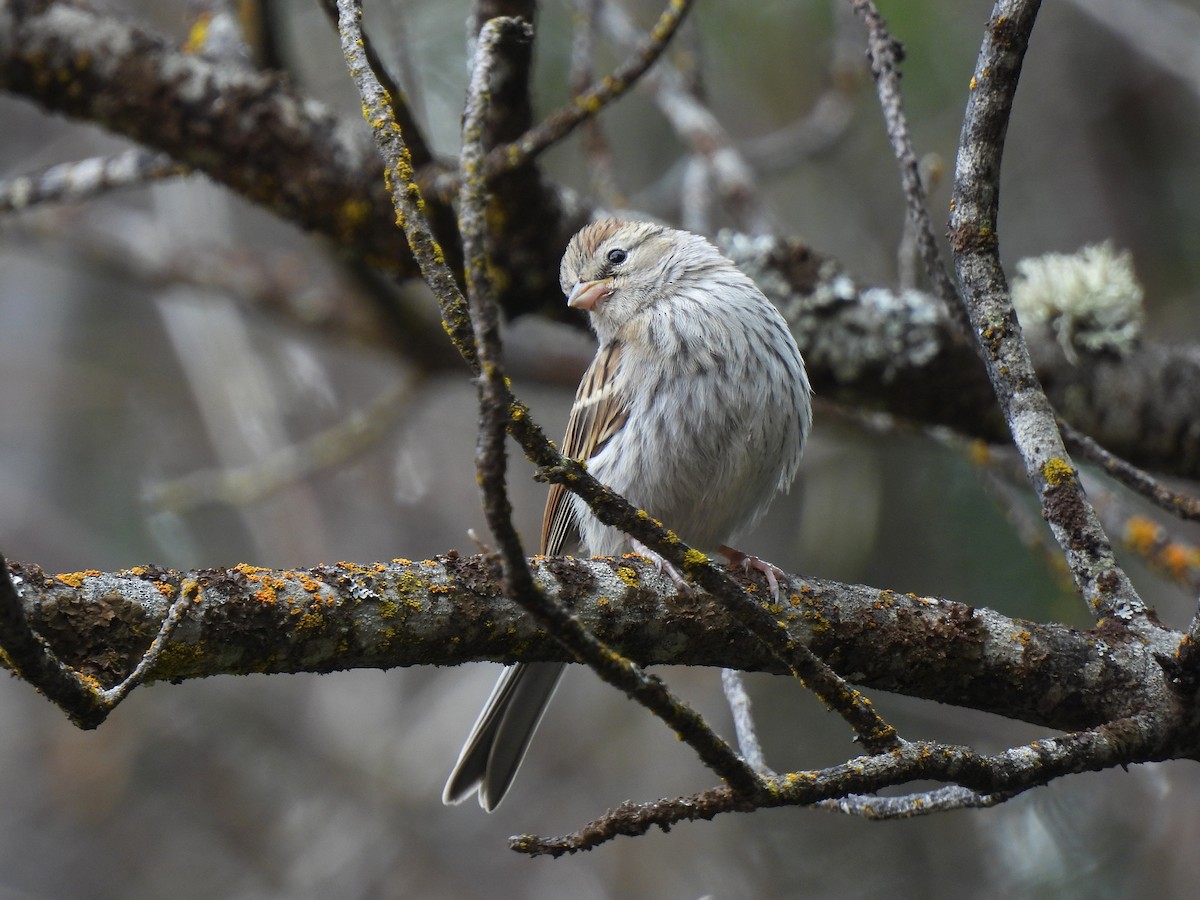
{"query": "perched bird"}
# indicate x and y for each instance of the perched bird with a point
(695, 409)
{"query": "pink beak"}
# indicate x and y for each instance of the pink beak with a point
(588, 294)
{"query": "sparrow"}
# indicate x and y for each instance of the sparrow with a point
(696, 409)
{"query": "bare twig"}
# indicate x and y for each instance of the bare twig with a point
(1185, 506)
(910, 806)
(743, 720)
(401, 108)
(886, 54)
(1102, 583)
(588, 103)
(828, 120)
(562, 121)
(716, 152)
(1007, 773)
(84, 179)
(595, 144)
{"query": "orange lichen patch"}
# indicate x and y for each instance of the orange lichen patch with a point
(310, 584)
(1022, 637)
(441, 588)
(165, 589)
(75, 579)
(269, 592)
(1185, 646)
(886, 600)
(249, 570)
(269, 586)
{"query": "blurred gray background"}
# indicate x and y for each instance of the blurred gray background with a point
(114, 383)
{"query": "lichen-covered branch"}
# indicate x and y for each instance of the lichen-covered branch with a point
(77, 181)
(1010, 772)
(1089, 555)
(453, 609)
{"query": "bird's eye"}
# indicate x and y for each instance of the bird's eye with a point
(617, 256)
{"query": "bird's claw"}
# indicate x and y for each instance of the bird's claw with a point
(746, 562)
(661, 565)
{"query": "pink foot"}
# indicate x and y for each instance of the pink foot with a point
(661, 565)
(746, 562)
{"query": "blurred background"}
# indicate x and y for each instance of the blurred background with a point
(133, 372)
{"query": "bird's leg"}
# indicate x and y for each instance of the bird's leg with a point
(661, 565)
(746, 562)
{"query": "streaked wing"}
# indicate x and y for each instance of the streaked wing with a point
(598, 414)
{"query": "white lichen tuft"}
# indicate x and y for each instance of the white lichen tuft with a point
(1091, 299)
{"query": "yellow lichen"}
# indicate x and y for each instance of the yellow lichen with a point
(627, 575)
(1057, 471)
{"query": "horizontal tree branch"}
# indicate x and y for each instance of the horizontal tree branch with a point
(452, 610)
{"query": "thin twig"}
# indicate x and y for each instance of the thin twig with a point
(583, 106)
(595, 145)
(414, 138)
(886, 54)
(603, 92)
(910, 806)
(717, 155)
(112, 696)
(1185, 506)
(1088, 552)
(73, 182)
(743, 720)
(1004, 774)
